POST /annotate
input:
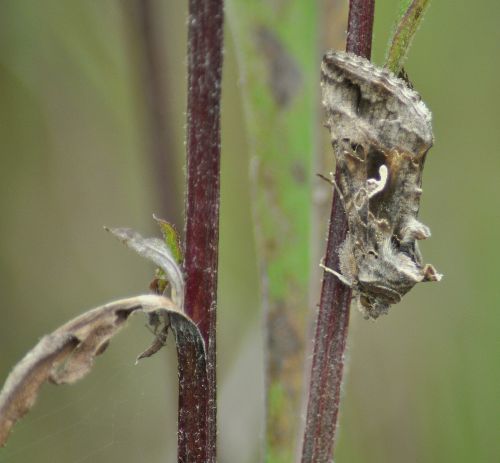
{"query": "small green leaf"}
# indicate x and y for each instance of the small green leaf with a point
(160, 283)
(171, 238)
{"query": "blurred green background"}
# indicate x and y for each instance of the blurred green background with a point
(421, 384)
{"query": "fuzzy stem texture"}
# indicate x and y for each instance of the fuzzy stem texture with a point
(333, 314)
(197, 402)
(412, 14)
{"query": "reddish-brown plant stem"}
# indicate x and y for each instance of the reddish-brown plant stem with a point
(360, 27)
(197, 403)
(333, 314)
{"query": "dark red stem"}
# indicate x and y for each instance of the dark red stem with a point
(333, 314)
(360, 27)
(197, 404)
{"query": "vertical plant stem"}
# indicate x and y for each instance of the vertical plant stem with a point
(197, 403)
(333, 315)
(360, 27)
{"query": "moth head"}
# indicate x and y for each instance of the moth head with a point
(372, 307)
(375, 299)
(382, 280)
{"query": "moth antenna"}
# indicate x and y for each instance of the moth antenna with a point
(341, 277)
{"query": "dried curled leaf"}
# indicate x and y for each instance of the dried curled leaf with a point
(158, 252)
(67, 354)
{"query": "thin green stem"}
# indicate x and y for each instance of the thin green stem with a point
(411, 15)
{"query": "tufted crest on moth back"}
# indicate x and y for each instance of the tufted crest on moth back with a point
(361, 98)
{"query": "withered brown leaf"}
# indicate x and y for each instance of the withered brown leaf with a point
(67, 354)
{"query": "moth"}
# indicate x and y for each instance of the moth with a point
(380, 132)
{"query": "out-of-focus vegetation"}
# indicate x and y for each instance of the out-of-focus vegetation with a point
(279, 90)
(421, 383)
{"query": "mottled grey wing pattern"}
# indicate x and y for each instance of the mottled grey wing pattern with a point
(381, 131)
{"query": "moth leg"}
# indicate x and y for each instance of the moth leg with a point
(332, 182)
(341, 277)
(355, 210)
